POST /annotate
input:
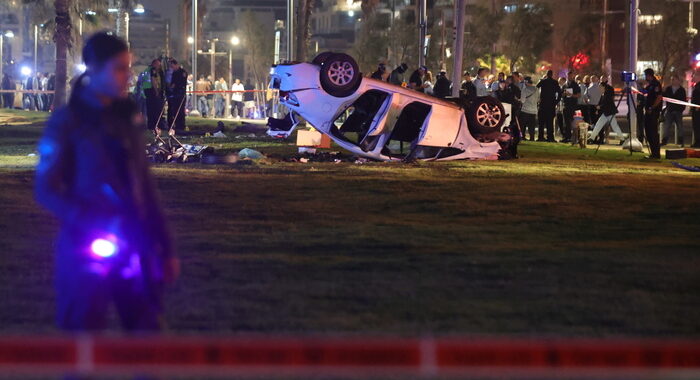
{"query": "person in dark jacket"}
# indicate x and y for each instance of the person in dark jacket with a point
(177, 91)
(571, 93)
(695, 111)
(550, 93)
(379, 74)
(153, 84)
(114, 245)
(415, 81)
(674, 112)
(443, 86)
(652, 112)
(396, 76)
(607, 110)
(468, 89)
(7, 97)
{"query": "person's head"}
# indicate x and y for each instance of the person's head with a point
(604, 79)
(209, 78)
(516, 77)
(156, 64)
(528, 81)
(201, 77)
(189, 77)
(238, 81)
(649, 74)
(422, 70)
(467, 76)
(571, 75)
(108, 66)
(429, 76)
(593, 79)
(578, 79)
(550, 74)
(562, 81)
(587, 79)
(39, 74)
(402, 68)
(502, 84)
(482, 72)
(174, 65)
(675, 80)
(510, 79)
(501, 76)
(381, 67)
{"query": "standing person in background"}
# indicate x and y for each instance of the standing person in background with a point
(219, 100)
(641, 105)
(482, 88)
(396, 76)
(495, 84)
(443, 86)
(114, 245)
(550, 93)
(203, 105)
(695, 111)
(530, 98)
(467, 89)
(571, 93)
(8, 84)
(379, 74)
(39, 98)
(674, 112)
(415, 82)
(45, 87)
(428, 83)
(210, 97)
(51, 86)
(560, 108)
(237, 98)
(153, 84)
(593, 94)
(583, 101)
(190, 88)
(28, 100)
(177, 91)
(652, 112)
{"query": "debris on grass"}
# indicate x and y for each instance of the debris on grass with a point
(251, 154)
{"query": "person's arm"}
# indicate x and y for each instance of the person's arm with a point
(51, 188)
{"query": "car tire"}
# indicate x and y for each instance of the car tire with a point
(340, 75)
(322, 57)
(486, 115)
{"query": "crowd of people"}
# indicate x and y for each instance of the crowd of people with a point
(41, 81)
(538, 107)
(214, 104)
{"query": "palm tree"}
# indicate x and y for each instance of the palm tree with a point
(63, 13)
(63, 39)
(302, 32)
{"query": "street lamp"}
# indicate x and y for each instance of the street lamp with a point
(190, 40)
(8, 34)
(139, 9)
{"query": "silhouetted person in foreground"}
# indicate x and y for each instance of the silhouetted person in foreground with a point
(114, 245)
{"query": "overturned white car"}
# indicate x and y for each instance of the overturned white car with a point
(381, 121)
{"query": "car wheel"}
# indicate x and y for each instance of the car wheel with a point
(486, 115)
(322, 57)
(340, 75)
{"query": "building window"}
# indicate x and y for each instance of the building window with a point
(650, 20)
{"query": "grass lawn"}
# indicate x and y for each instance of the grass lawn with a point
(562, 241)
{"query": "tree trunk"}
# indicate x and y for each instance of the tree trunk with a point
(302, 32)
(63, 41)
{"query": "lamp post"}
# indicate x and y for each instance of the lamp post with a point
(460, 7)
(9, 34)
(194, 111)
(632, 143)
(235, 41)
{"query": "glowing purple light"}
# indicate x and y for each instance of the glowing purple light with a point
(103, 248)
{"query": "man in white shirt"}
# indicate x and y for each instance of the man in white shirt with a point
(594, 94)
(237, 98)
(480, 82)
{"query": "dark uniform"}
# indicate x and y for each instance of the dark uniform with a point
(177, 92)
(651, 117)
(695, 112)
(154, 90)
(550, 93)
(570, 106)
(468, 90)
(443, 86)
(94, 177)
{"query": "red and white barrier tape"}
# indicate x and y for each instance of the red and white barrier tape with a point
(348, 356)
(670, 100)
(27, 91)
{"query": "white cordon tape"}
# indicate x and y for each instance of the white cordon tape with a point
(670, 100)
(356, 356)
